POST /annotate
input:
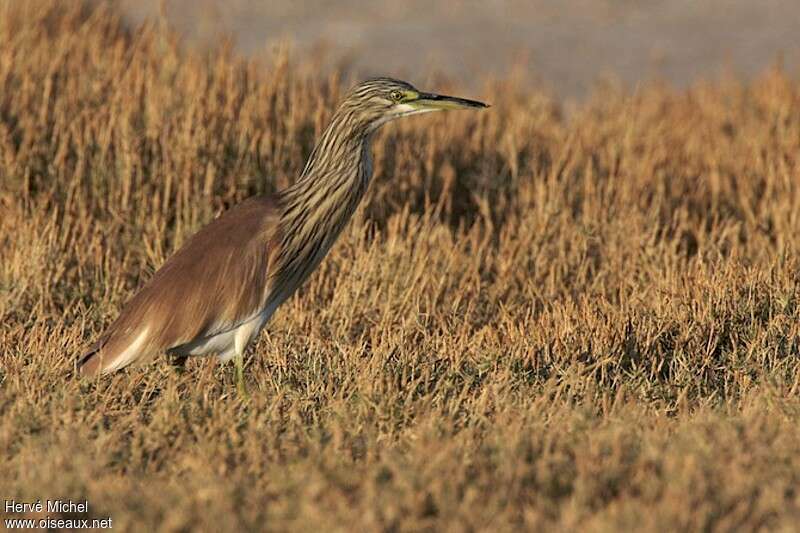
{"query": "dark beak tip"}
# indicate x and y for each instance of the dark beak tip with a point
(478, 104)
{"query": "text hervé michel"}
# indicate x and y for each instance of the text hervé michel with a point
(50, 506)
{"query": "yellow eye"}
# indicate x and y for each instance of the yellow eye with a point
(396, 96)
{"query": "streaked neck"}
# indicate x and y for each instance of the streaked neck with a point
(319, 204)
(336, 155)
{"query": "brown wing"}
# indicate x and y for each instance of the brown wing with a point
(218, 279)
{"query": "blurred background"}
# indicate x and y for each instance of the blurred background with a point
(565, 46)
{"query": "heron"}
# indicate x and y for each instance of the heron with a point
(215, 294)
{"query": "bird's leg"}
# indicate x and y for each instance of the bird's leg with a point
(240, 386)
(239, 347)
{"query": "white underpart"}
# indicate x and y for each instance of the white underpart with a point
(130, 353)
(229, 343)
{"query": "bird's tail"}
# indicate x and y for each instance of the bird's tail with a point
(90, 362)
(111, 353)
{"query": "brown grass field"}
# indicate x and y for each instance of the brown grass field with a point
(535, 321)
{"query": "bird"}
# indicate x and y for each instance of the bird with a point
(214, 295)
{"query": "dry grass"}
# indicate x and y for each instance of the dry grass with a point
(534, 322)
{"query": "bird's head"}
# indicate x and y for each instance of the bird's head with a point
(379, 100)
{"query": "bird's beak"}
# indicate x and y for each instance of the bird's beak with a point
(434, 102)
